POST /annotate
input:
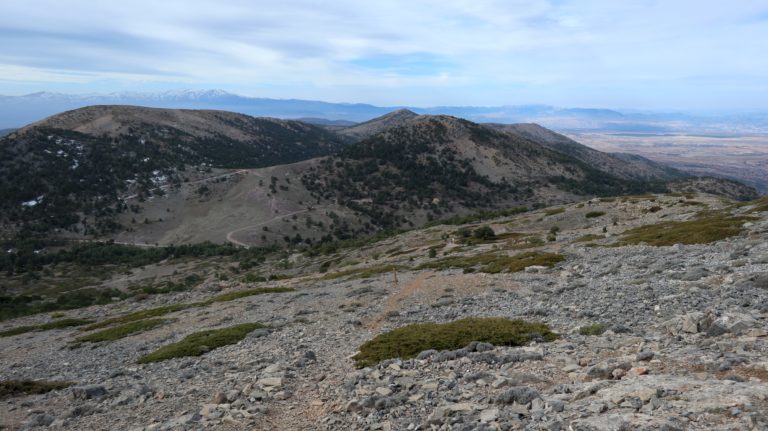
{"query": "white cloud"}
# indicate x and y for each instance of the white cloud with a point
(481, 52)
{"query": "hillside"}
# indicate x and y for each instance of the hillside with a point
(71, 170)
(627, 313)
(622, 166)
(730, 189)
(361, 131)
(156, 176)
(431, 167)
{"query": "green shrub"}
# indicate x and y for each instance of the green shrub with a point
(409, 341)
(254, 278)
(143, 314)
(18, 330)
(12, 388)
(484, 233)
(231, 296)
(531, 241)
(56, 324)
(364, 272)
(594, 214)
(122, 331)
(162, 311)
(760, 205)
(201, 342)
(553, 211)
(64, 323)
(24, 305)
(477, 217)
(494, 263)
(594, 329)
(588, 238)
(184, 285)
(703, 230)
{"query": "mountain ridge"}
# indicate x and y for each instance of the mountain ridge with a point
(73, 168)
(98, 171)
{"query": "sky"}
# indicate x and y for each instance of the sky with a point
(629, 54)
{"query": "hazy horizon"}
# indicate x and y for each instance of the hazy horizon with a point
(658, 56)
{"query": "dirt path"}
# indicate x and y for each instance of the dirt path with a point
(394, 300)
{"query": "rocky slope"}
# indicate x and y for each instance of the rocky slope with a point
(677, 335)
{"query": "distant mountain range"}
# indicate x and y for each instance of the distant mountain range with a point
(16, 111)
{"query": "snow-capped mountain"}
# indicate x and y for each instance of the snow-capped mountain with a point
(17, 111)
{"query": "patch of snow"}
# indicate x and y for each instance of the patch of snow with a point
(33, 202)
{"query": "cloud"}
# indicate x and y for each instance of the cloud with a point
(397, 52)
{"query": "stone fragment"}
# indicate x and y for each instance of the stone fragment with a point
(597, 407)
(489, 415)
(461, 407)
(645, 394)
(272, 369)
(426, 354)
(416, 397)
(353, 406)
(207, 409)
(232, 395)
(537, 404)
(42, 420)
(437, 417)
(571, 368)
(88, 392)
(385, 403)
(644, 356)
(517, 394)
(219, 398)
(186, 419)
(691, 322)
(618, 373)
(556, 406)
(272, 382)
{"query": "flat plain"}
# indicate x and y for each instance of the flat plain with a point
(741, 157)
